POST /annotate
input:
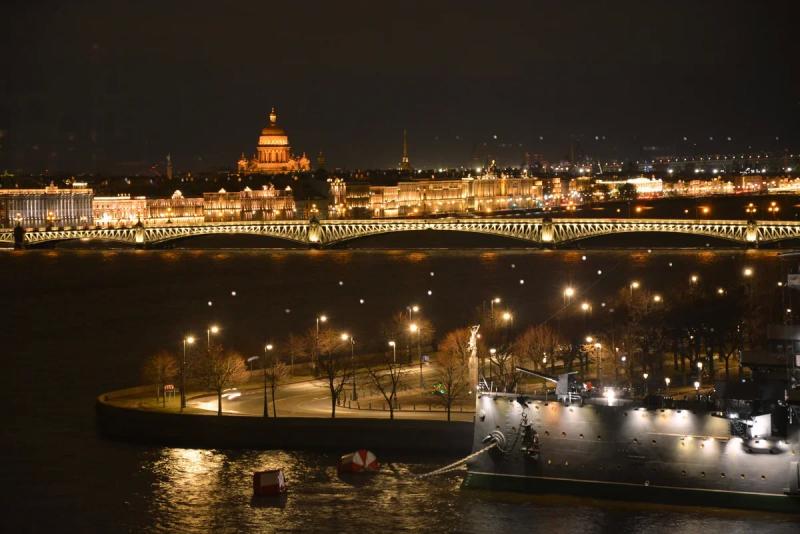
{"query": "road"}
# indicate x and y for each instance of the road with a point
(311, 398)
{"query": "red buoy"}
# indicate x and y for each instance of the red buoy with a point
(356, 462)
(266, 483)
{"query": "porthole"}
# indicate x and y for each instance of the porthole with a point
(546, 432)
(563, 434)
(654, 441)
(599, 436)
(763, 477)
(683, 473)
(702, 445)
(580, 435)
(722, 475)
(741, 476)
(636, 441)
(702, 473)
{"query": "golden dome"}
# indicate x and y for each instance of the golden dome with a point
(273, 128)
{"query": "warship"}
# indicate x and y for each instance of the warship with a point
(734, 445)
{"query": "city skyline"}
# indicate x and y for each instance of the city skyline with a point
(614, 82)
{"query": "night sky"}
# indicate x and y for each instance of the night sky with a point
(114, 86)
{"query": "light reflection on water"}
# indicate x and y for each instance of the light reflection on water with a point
(201, 490)
(81, 322)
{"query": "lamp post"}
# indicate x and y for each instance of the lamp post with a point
(667, 381)
(633, 285)
(348, 337)
(697, 389)
(598, 353)
(569, 292)
(213, 329)
(394, 351)
(645, 375)
(320, 319)
(700, 372)
(492, 302)
(188, 340)
(267, 347)
(414, 327)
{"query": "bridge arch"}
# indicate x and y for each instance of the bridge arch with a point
(335, 232)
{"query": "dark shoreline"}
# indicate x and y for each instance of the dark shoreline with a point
(400, 436)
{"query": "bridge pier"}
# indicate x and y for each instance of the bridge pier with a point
(314, 234)
(19, 237)
(751, 234)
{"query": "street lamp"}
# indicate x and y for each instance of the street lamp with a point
(657, 298)
(633, 285)
(267, 347)
(694, 278)
(585, 306)
(348, 337)
(645, 376)
(667, 381)
(414, 327)
(747, 272)
(188, 340)
(507, 316)
(394, 351)
(492, 302)
(697, 388)
(569, 292)
(213, 329)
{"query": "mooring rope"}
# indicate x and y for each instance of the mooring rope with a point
(455, 465)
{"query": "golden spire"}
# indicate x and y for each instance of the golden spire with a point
(273, 117)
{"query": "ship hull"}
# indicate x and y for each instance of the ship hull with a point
(628, 452)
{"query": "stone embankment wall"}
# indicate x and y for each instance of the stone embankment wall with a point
(298, 433)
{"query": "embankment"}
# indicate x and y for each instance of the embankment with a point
(291, 433)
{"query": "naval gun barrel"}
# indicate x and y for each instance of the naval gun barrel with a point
(538, 374)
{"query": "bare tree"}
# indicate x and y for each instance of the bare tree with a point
(159, 369)
(220, 369)
(275, 373)
(537, 345)
(452, 367)
(332, 364)
(386, 380)
(297, 347)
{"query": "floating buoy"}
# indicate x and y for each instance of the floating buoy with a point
(357, 462)
(267, 483)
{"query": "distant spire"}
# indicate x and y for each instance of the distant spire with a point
(404, 163)
(273, 117)
(169, 166)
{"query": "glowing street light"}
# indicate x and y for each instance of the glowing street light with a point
(585, 306)
(347, 337)
(414, 327)
(748, 272)
(188, 340)
(507, 316)
(694, 279)
(267, 348)
(394, 351)
(633, 285)
(667, 381)
(657, 298)
(569, 292)
(213, 329)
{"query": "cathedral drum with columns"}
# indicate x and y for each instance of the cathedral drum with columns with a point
(274, 155)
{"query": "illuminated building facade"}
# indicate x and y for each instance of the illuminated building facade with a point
(263, 204)
(432, 197)
(273, 153)
(121, 210)
(51, 206)
(174, 210)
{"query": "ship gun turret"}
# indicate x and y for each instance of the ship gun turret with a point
(568, 389)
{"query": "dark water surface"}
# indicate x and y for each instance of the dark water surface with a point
(77, 323)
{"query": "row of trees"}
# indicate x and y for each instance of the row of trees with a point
(636, 332)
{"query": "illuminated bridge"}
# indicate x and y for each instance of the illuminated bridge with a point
(544, 232)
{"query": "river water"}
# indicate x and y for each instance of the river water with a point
(76, 323)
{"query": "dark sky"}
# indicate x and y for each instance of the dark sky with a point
(114, 86)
